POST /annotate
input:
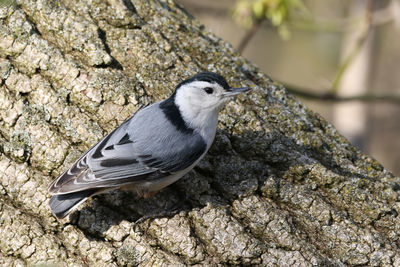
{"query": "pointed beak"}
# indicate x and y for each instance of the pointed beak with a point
(235, 91)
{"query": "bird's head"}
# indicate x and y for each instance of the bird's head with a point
(206, 91)
(196, 102)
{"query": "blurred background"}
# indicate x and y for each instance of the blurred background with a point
(340, 57)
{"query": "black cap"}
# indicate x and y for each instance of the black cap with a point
(207, 77)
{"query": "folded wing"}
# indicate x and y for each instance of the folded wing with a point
(133, 153)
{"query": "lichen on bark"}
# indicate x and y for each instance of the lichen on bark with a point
(280, 186)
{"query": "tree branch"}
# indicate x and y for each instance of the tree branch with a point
(356, 49)
(329, 96)
(249, 35)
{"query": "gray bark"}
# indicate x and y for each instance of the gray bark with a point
(280, 185)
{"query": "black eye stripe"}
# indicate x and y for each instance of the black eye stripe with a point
(208, 90)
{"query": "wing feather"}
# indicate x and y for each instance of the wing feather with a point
(134, 152)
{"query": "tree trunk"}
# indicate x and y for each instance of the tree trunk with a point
(280, 186)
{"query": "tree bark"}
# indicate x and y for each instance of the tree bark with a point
(280, 185)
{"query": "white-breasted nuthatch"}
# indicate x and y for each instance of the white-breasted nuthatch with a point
(154, 148)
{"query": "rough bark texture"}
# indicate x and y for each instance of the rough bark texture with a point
(280, 186)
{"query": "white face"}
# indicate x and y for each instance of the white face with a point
(199, 103)
(200, 95)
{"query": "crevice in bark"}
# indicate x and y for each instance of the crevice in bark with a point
(114, 63)
(129, 6)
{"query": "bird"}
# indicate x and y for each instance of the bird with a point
(152, 149)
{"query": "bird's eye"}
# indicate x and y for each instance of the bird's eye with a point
(208, 90)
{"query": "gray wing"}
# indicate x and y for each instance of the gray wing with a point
(143, 148)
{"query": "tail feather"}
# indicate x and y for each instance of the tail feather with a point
(62, 205)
